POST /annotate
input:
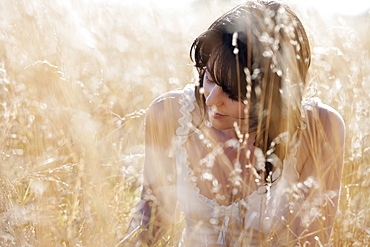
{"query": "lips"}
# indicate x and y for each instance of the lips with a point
(218, 115)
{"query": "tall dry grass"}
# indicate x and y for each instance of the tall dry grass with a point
(76, 78)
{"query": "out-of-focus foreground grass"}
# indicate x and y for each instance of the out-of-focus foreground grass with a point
(76, 78)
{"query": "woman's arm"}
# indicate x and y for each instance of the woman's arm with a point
(322, 144)
(154, 213)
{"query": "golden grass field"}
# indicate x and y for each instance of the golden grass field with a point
(76, 78)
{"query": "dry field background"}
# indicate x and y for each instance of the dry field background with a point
(75, 80)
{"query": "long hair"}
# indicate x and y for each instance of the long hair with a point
(258, 53)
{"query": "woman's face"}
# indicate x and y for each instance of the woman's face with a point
(222, 110)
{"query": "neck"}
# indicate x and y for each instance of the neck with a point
(228, 134)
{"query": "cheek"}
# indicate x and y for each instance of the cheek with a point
(239, 108)
(206, 89)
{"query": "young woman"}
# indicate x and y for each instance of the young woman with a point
(240, 156)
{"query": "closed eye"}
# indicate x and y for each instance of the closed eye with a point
(233, 98)
(227, 91)
(209, 78)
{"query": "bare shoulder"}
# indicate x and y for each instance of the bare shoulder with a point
(169, 98)
(324, 135)
(332, 122)
(163, 114)
(323, 116)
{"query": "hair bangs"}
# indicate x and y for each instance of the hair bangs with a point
(222, 67)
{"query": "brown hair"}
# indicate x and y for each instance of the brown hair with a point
(258, 53)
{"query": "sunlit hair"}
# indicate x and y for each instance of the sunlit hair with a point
(259, 54)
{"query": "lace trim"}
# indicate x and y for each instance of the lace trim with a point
(306, 104)
(185, 129)
(186, 109)
(224, 212)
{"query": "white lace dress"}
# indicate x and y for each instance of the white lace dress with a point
(255, 219)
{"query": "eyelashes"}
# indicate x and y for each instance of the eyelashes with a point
(231, 95)
(209, 79)
(234, 98)
(228, 90)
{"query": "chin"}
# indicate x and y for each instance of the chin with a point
(220, 126)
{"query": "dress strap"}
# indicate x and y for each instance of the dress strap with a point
(185, 125)
(187, 106)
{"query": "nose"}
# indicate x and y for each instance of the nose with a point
(215, 95)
